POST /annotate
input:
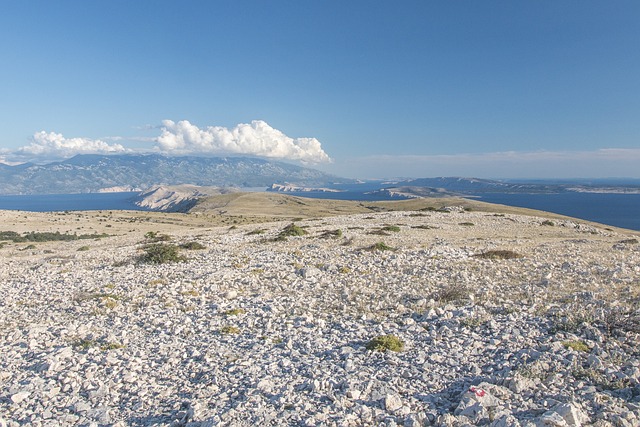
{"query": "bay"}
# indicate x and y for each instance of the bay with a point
(619, 210)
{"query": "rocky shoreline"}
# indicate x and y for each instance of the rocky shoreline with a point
(505, 320)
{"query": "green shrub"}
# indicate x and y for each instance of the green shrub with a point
(385, 342)
(576, 345)
(161, 253)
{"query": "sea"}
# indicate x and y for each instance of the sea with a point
(619, 210)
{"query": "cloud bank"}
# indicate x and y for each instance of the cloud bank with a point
(256, 138)
(179, 138)
(55, 145)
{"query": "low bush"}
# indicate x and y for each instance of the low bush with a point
(289, 231)
(380, 246)
(161, 253)
(332, 234)
(453, 293)
(153, 236)
(385, 342)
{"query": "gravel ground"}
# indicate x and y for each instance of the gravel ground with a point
(252, 330)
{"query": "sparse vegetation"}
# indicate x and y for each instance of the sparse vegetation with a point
(629, 241)
(86, 344)
(83, 248)
(576, 345)
(548, 223)
(45, 236)
(153, 236)
(332, 234)
(192, 246)
(393, 228)
(235, 312)
(453, 293)
(467, 224)
(161, 253)
(380, 246)
(256, 232)
(498, 254)
(225, 330)
(385, 343)
(423, 227)
(289, 231)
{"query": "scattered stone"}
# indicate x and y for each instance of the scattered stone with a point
(89, 340)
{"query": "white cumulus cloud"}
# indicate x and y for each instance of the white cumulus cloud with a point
(256, 138)
(55, 145)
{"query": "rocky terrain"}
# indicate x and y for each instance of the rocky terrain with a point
(500, 319)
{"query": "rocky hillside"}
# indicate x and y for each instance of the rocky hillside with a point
(93, 173)
(416, 318)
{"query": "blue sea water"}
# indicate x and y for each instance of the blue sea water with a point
(70, 202)
(619, 210)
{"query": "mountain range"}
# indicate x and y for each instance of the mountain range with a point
(100, 173)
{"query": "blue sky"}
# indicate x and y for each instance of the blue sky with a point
(495, 89)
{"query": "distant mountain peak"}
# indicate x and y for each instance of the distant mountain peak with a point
(86, 173)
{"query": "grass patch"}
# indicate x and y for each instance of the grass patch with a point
(385, 343)
(393, 228)
(235, 312)
(83, 248)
